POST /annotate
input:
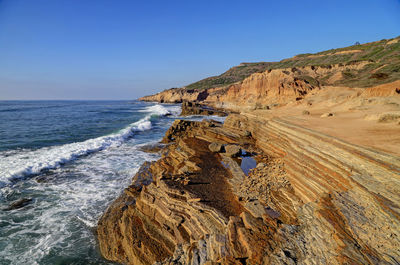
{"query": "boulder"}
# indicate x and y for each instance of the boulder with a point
(19, 204)
(177, 129)
(216, 147)
(152, 148)
(233, 150)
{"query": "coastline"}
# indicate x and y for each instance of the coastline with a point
(310, 197)
(74, 159)
(200, 133)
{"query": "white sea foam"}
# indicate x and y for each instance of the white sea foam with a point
(65, 211)
(174, 109)
(158, 109)
(66, 204)
(24, 163)
(163, 109)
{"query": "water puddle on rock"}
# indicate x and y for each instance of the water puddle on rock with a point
(247, 164)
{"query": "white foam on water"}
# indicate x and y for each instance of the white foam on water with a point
(67, 208)
(174, 109)
(58, 224)
(157, 109)
(163, 109)
(24, 163)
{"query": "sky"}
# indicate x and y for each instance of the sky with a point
(116, 49)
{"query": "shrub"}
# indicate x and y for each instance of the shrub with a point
(379, 76)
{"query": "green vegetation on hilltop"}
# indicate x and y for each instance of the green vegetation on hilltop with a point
(382, 66)
(233, 75)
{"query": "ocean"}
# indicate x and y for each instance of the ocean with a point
(67, 161)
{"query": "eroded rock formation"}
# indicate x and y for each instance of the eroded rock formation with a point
(193, 108)
(311, 199)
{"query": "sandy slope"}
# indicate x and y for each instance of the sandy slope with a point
(358, 117)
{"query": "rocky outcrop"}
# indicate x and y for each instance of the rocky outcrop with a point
(311, 199)
(216, 147)
(262, 90)
(18, 204)
(184, 201)
(174, 95)
(385, 90)
(193, 108)
(258, 90)
(233, 150)
(263, 187)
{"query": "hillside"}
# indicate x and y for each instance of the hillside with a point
(233, 75)
(382, 65)
(267, 85)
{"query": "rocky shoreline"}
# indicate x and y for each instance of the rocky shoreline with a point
(308, 198)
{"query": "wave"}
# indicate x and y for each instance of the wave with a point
(162, 110)
(30, 162)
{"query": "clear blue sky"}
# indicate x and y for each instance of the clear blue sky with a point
(111, 49)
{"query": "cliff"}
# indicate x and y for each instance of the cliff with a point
(270, 88)
(264, 85)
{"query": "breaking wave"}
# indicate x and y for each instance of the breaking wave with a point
(14, 165)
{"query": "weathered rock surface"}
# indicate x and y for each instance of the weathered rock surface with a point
(192, 108)
(312, 199)
(216, 147)
(152, 148)
(173, 95)
(233, 150)
(259, 90)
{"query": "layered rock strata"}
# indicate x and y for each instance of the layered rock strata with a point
(311, 199)
(259, 89)
(193, 108)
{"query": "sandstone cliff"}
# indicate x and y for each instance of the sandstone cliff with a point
(270, 88)
(264, 85)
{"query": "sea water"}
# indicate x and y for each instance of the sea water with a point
(69, 160)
